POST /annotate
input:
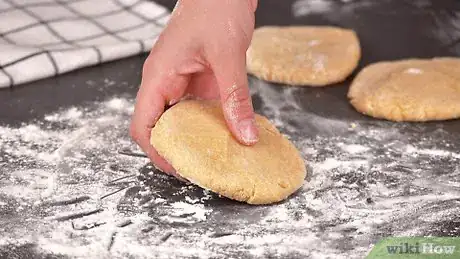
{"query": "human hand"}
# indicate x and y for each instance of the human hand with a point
(201, 54)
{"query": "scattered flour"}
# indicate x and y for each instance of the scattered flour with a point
(319, 63)
(332, 9)
(431, 152)
(307, 7)
(313, 43)
(414, 71)
(331, 163)
(364, 182)
(120, 104)
(194, 212)
(71, 114)
(353, 148)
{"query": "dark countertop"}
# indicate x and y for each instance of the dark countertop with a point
(392, 30)
(368, 178)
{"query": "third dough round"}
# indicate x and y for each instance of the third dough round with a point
(409, 90)
(303, 55)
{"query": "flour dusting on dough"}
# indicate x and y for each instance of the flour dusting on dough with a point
(414, 71)
(313, 43)
(319, 63)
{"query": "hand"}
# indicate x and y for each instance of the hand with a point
(202, 54)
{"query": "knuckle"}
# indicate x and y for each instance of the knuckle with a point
(148, 64)
(151, 63)
(236, 95)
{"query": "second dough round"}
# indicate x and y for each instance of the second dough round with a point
(303, 55)
(409, 90)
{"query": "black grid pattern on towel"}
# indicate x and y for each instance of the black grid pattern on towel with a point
(73, 44)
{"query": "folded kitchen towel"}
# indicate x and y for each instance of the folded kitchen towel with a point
(43, 38)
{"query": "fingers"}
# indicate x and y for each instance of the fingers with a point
(154, 94)
(148, 109)
(230, 72)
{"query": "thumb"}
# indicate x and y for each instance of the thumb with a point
(232, 79)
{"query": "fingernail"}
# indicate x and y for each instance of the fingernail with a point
(248, 131)
(172, 102)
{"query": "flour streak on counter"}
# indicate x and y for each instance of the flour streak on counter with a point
(310, 7)
(66, 190)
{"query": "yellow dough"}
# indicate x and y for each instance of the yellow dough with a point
(409, 90)
(303, 55)
(193, 137)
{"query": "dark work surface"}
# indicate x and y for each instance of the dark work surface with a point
(408, 184)
(387, 30)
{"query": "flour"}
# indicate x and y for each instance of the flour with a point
(195, 213)
(311, 7)
(331, 9)
(414, 71)
(353, 148)
(313, 43)
(319, 63)
(331, 163)
(431, 152)
(30, 184)
(120, 104)
(70, 114)
(307, 7)
(65, 188)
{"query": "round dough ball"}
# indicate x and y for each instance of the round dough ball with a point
(193, 137)
(303, 55)
(409, 90)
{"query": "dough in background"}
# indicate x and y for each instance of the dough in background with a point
(409, 90)
(193, 137)
(303, 55)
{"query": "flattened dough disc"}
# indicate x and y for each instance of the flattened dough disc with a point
(303, 55)
(193, 137)
(409, 90)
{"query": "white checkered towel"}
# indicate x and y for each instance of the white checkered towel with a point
(43, 38)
